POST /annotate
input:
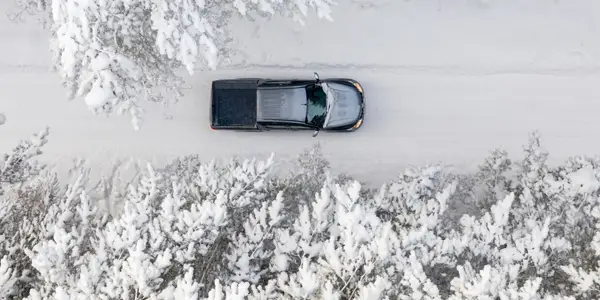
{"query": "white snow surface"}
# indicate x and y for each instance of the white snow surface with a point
(444, 82)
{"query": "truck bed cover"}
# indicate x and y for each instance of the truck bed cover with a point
(234, 103)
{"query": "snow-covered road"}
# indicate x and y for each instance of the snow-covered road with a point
(444, 82)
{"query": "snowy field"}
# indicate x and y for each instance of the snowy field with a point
(444, 82)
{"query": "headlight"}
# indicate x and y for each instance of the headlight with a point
(357, 124)
(358, 87)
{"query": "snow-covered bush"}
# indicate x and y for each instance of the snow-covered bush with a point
(168, 231)
(241, 230)
(18, 166)
(116, 53)
(537, 224)
(25, 191)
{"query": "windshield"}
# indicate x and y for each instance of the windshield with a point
(316, 106)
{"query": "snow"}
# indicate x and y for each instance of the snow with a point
(585, 180)
(444, 82)
(98, 95)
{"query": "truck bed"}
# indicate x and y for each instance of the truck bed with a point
(234, 103)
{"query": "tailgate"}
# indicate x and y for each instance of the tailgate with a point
(234, 103)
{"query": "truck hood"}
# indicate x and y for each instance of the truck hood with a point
(344, 105)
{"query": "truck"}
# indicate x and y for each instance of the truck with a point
(261, 104)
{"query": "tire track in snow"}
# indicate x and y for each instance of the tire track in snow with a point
(448, 70)
(25, 68)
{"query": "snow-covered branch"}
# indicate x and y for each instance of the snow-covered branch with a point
(18, 166)
(118, 54)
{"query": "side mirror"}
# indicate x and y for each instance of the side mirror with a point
(315, 133)
(316, 77)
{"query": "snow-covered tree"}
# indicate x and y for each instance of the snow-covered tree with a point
(117, 53)
(240, 230)
(24, 192)
(168, 241)
(18, 166)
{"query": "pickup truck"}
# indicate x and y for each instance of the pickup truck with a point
(255, 104)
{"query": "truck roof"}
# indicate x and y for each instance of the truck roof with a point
(277, 103)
